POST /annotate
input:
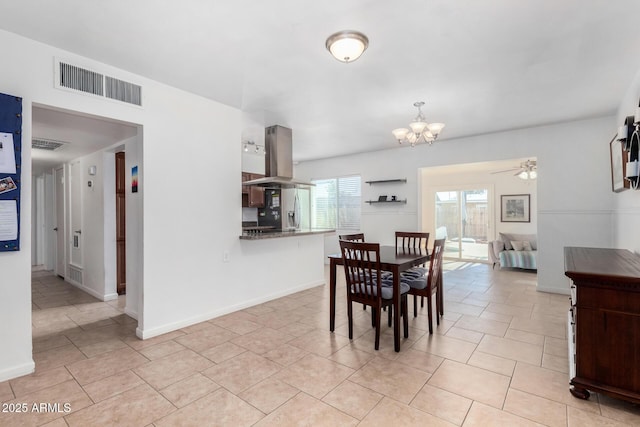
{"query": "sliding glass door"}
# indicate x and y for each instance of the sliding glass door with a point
(463, 217)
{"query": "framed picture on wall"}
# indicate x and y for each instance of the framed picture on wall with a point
(515, 208)
(618, 166)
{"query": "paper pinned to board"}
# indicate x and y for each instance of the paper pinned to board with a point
(7, 155)
(8, 220)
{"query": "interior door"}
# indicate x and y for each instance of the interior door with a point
(75, 218)
(121, 275)
(59, 222)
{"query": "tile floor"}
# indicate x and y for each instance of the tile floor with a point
(498, 358)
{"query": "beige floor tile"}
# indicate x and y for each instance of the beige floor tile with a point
(206, 338)
(59, 422)
(580, 418)
(219, 408)
(269, 394)
(511, 310)
(238, 326)
(420, 360)
(296, 329)
(619, 410)
(49, 342)
(91, 370)
(189, 389)
(103, 347)
(483, 416)
(528, 337)
(557, 363)
(504, 318)
(137, 407)
(262, 340)
(391, 413)
(57, 357)
(353, 399)
(138, 344)
(556, 347)
(167, 370)
(68, 393)
(549, 384)
(315, 375)
(285, 354)
(277, 319)
(484, 326)
(223, 352)
(534, 408)
(241, 372)
(112, 385)
(39, 380)
(391, 378)
(162, 349)
(510, 349)
(322, 343)
(492, 363)
(304, 410)
(465, 334)
(352, 357)
(443, 404)
(552, 328)
(456, 307)
(471, 382)
(447, 347)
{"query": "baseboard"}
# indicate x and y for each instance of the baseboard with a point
(130, 313)
(169, 327)
(553, 290)
(17, 371)
(93, 293)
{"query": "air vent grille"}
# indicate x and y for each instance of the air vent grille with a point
(80, 79)
(123, 91)
(87, 81)
(46, 144)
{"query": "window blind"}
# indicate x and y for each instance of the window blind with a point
(336, 203)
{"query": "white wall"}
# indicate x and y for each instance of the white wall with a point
(189, 206)
(573, 187)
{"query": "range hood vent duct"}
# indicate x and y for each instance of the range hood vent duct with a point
(278, 160)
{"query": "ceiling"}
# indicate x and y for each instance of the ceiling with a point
(481, 66)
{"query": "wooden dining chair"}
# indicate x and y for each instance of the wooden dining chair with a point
(413, 240)
(428, 286)
(365, 284)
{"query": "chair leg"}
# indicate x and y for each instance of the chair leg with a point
(377, 310)
(421, 301)
(415, 306)
(405, 315)
(349, 315)
(390, 312)
(438, 308)
(373, 318)
(430, 313)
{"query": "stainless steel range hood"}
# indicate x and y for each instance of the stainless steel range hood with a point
(278, 160)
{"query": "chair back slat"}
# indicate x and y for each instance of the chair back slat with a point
(435, 266)
(358, 237)
(362, 269)
(413, 240)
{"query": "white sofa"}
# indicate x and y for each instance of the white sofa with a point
(515, 251)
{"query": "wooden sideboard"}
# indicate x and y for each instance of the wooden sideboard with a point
(604, 322)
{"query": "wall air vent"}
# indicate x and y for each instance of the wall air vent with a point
(123, 91)
(46, 144)
(80, 79)
(84, 80)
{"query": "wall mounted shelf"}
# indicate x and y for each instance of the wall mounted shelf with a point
(387, 181)
(385, 201)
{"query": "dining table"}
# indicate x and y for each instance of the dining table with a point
(393, 259)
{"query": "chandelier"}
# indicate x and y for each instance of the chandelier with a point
(421, 131)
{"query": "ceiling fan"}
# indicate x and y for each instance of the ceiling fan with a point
(526, 170)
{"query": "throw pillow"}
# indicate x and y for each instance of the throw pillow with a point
(526, 246)
(517, 245)
(508, 237)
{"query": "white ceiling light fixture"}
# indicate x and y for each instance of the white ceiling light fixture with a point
(529, 170)
(347, 46)
(420, 131)
(253, 147)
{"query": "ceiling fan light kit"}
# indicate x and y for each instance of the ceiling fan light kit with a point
(420, 131)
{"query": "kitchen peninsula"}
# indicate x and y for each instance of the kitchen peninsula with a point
(273, 234)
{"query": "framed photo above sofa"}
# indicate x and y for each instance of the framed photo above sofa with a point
(515, 208)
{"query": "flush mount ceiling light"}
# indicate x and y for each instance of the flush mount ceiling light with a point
(253, 147)
(347, 46)
(420, 131)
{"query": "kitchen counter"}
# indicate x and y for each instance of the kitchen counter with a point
(277, 234)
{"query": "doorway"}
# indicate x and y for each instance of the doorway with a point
(121, 257)
(59, 228)
(463, 217)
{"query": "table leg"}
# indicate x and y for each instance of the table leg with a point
(332, 294)
(396, 309)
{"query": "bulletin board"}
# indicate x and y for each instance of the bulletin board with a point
(10, 167)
